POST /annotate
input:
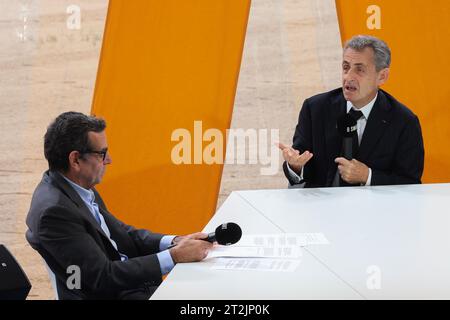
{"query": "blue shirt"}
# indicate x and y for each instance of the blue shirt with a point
(165, 259)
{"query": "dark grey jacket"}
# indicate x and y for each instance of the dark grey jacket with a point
(65, 233)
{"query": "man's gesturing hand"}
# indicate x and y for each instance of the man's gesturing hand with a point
(352, 171)
(293, 157)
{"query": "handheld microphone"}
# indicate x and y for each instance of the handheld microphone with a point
(346, 126)
(226, 234)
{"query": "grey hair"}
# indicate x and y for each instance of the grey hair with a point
(381, 51)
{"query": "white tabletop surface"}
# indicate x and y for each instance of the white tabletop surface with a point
(386, 242)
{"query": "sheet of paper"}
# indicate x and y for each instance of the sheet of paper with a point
(255, 252)
(282, 240)
(278, 265)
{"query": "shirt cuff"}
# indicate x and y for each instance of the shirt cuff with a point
(369, 178)
(294, 175)
(165, 261)
(165, 242)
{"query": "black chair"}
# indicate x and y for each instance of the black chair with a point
(14, 284)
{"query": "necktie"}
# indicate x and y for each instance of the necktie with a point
(96, 213)
(123, 257)
(355, 114)
(355, 143)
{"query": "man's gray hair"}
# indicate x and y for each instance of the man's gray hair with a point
(382, 53)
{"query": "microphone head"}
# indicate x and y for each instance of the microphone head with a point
(228, 233)
(346, 125)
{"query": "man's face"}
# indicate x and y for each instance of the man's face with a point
(92, 165)
(360, 80)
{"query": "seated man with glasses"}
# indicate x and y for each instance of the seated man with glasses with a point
(70, 225)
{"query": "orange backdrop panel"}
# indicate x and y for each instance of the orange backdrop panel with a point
(417, 32)
(163, 65)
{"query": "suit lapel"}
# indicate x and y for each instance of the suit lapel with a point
(378, 121)
(333, 141)
(124, 242)
(73, 195)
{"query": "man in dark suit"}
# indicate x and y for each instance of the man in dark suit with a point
(71, 228)
(389, 148)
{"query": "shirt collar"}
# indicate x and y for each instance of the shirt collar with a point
(86, 195)
(366, 109)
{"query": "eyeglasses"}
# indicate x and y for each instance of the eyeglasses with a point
(102, 153)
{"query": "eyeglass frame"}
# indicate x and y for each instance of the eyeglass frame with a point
(103, 152)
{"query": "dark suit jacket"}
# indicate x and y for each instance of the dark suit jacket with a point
(392, 144)
(65, 233)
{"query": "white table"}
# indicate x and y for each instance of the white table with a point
(387, 242)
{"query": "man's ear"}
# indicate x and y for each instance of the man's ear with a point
(383, 75)
(74, 161)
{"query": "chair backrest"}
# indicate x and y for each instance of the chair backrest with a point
(14, 283)
(51, 274)
(52, 278)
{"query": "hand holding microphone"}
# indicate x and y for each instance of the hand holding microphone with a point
(351, 170)
(189, 248)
